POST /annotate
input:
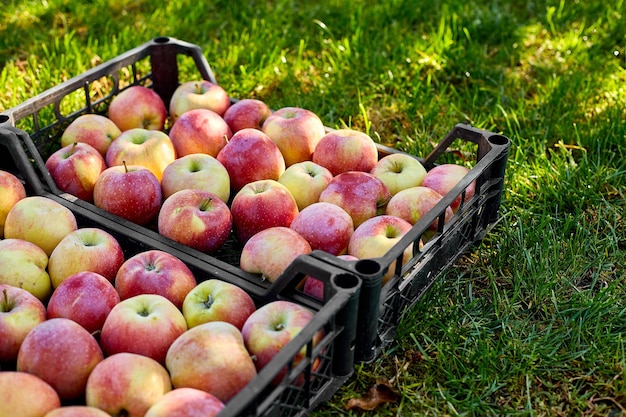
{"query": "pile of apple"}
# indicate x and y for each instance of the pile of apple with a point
(86, 330)
(204, 168)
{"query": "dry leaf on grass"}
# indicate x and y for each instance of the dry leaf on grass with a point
(380, 393)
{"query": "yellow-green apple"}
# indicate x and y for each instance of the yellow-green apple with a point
(152, 149)
(85, 297)
(325, 226)
(11, 191)
(199, 171)
(399, 171)
(211, 357)
(247, 113)
(305, 180)
(344, 150)
(217, 300)
(132, 192)
(20, 312)
(62, 353)
(155, 272)
(75, 169)
(145, 324)
(376, 236)
(186, 402)
(259, 205)
(314, 287)
(77, 411)
(94, 129)
(138, 107)
(296, 132)
(26, 395)
(443, 178)
(31, 219)
(359, 193)
(24, 266)
(127, 384)
(271, 327)
(249, 156)
(270, 251)
(85, 249)
(196, 218)
(199, 131)
(198, 94)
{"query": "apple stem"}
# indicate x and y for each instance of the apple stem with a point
(125, 166)
(279, 327)
(205, 204)
(198, 88)
(6, 305)
(209, 301)
(72, 149)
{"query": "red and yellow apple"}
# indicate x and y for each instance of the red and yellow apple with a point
(346, 150)
(186, 402)
(247, 113)
(325, 226)
(198, 94)
(26, 395)
(24, 266)
(199, 171)
(138, 107)
(399, 171)
(93, 129)
(306, 180)
(443, 178)
(11, 191)
(199, 131)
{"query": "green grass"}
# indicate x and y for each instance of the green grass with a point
(532, 322)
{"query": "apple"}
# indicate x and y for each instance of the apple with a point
(198, 94)
(152, 149)
(77, 411)
(443, 178)
(271, 327)
(216, 300)
(186, 402)
(199, 171)
(155, 272)
(24, 266)
(376, 236)
(26, 395)
(127, 384)
(20, 312)
(129, 191)
(196, 218)
(325, 226)
(346, 150)
(359, 193)
(314, 287)
(411, 204)
(247, 113)
(62, 353)
(93, 129)
(11, 191)
(271, 251)
(296, 132)
(138, 107)
(211, 357)
(85, 297)
(260, 205)
(145, 324)
(30, 219)
(249, 156)
(85, 249)
(399, 171)
(306, 180)
(75, 169)
(199, 131)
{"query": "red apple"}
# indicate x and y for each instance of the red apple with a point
(199, 131)
(306, 180)
(145, 324)
(26, 395)
(443, 178)
(249, 156)
(155, 272)
(399, 171)
(346, 150)
(314, 287)
(20, 312)
(127, 384)
(198, 94)
(411, 204)
(296, 132)
(77, 411)
(199, 171)
(247, 113)
(93, 129)
(260, 205)
(196, 218)
(216, 300)
(211, 357)
(11, 191)
(138, 107)
(271, 251)
(85, 297)
(186, 402)
(85, 249)
(129, 191)
(62, 353)
(152, 149)
(24, 266)
(325, 226)
(359, 193)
